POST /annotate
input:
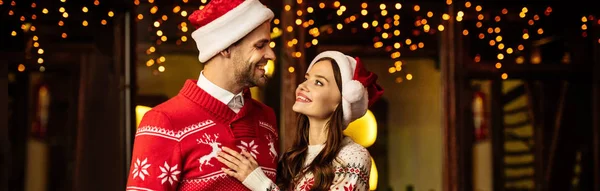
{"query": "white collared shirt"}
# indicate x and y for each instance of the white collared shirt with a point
(217, 92)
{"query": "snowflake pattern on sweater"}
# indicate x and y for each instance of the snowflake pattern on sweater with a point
(352, 169)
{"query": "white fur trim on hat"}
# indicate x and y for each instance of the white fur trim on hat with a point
(222, 32)
(355, 98)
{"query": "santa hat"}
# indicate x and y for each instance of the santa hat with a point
(223, 22)
(359, 87)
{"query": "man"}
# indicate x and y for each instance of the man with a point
(177, 142)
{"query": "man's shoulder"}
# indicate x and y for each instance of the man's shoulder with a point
(263, 107)
(173, 112)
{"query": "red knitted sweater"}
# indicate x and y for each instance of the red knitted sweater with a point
(177, 141)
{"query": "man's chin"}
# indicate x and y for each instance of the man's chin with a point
(260, 82)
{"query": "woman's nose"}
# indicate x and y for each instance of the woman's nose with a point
(302, 87)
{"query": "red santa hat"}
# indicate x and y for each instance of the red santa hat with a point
(359, 87)
(223, 22)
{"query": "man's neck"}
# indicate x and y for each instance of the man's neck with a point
(222, 78)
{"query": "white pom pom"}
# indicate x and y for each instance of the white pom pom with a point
(353, 91)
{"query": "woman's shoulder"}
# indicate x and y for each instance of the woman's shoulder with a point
(353, 153)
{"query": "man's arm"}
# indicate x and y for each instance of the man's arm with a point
(156, 162)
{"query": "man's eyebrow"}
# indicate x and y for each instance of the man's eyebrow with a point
(263, 41)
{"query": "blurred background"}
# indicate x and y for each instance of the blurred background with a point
(480, 95)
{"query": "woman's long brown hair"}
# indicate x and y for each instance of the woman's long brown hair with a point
(290, 168)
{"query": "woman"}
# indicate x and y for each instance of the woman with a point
(337, 91)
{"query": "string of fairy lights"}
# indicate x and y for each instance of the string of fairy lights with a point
(384, 19)
(28, 20)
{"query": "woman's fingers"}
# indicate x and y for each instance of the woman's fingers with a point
(232, 153)
(228, 156)
(231, 173)
(228, 163)
(249, 157)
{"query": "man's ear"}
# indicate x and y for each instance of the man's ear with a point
(227, 52)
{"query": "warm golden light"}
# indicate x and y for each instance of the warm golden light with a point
(373, 176)
(363, 130)
(150, 62)
(520, 60)
(509, 50)
(392, 70)
(291, 69)
(478, 8)
(445, 16)
(498, 65)
(409, 76)
(140, 110)
(504, 76)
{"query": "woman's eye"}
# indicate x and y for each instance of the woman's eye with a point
(318, 83)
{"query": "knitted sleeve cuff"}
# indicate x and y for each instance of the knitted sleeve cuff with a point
(257, 180)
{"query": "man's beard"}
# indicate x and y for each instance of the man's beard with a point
(247, 76)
